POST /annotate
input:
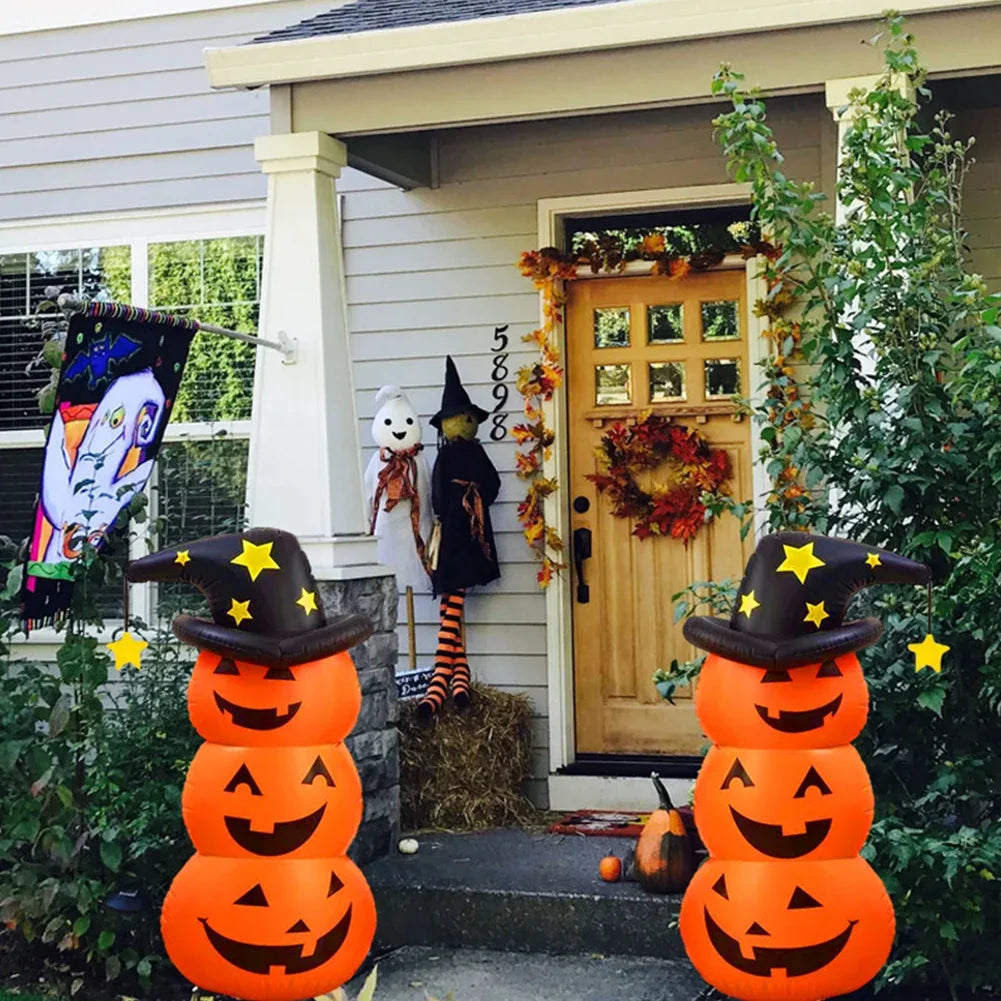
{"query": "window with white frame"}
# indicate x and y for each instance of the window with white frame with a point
(198, 487)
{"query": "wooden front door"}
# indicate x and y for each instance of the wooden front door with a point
(670, 346)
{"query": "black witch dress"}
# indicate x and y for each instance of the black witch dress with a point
(464, 484)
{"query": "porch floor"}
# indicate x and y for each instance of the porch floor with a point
(516, 890)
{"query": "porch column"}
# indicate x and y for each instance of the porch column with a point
(304, 472)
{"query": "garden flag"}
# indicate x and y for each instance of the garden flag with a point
(120, 373)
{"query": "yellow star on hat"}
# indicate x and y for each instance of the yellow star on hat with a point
(928, 653)
(873, 560)
(127, 650)
(256, 558)
(239, 610)
(183, 557)
(307, 600)
(748, 603)
(816, 613)
(800, 561)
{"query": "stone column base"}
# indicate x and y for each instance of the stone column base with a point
(374, 742)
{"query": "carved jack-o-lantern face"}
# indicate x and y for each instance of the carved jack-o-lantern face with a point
(819, 705)
(759, 805)
(305, 802)
(287, 930)
(239, 703)
(797, 931)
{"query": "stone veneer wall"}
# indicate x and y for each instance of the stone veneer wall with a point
(374, 743)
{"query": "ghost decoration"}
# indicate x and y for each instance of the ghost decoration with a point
(398, 489)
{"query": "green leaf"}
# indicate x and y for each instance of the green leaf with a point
(105, 940)
(81, 925)
(111, 854)
(894, 497)
(932, 698)
(144, 968)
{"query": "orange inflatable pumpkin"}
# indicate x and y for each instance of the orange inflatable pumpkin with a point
(251, 705)
(279, 931)
(807, 804)
(819, 705)
(251, 802)
(798, 931)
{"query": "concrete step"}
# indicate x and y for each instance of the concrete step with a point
(513, 890)
(413, 973)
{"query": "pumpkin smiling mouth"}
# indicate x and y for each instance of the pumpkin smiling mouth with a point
(790, 721)
(797, 961)
(255, 719)
(288, 835)
(263, 958)
(769, 839)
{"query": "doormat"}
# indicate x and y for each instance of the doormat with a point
(603, 823)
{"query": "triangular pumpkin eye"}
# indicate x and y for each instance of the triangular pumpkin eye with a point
(812, 780)
(226, 666)
(279, 674)
(776, 675)
(737, 771)
(243, 778)
(829, 670)
(720, 887)
(800, 899)
(254, 897)
(319, 770)
(335, 884)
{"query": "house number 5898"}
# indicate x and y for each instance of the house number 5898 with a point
(499, 375)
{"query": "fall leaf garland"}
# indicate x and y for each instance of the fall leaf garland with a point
(674, 510)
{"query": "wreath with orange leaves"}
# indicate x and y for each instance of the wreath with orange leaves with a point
(695, 468)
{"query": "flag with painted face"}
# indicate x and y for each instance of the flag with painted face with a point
(120, 373)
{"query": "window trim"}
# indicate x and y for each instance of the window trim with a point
(136, 230)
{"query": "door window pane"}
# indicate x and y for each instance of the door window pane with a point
(665, 324)
(720, 321)
(667, 381)
(612, 385)
(722, 377)
(611, 327)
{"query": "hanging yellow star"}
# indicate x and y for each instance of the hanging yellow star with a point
(127, 650)
(256, 558)
(183, 557)
(307, 600)
(816, 613)
(928, 653)
(873, 560)
(748, 603)
(800, 561)
(239, 610)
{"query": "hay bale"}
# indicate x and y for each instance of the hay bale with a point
(465, 770)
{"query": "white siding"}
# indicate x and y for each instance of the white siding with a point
(431, 272)
(119, 116)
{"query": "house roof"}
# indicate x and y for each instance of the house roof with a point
(379, 15)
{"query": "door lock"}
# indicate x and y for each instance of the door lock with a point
(581, 552)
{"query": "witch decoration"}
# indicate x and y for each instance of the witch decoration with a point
(785, 908)
(269, 908)
(398, 488)
(464, 483)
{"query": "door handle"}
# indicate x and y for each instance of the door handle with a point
(581, 552)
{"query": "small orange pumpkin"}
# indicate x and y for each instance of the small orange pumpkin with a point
(250, 705)
(791, 932)
(804, 804)
(610, 868)
(254, 802)
(664, 860)
(287, 930)
(820, 705)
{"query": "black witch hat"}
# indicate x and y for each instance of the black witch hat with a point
(792, 601)
(262, 595)
(455, 399)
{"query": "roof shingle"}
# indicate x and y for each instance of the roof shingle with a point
(378, 15)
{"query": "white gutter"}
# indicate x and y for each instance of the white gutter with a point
(524, 36)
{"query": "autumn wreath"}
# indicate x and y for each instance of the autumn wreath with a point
(695, 467)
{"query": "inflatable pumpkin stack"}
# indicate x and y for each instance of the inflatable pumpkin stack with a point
(269, 908)
(784, 908)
